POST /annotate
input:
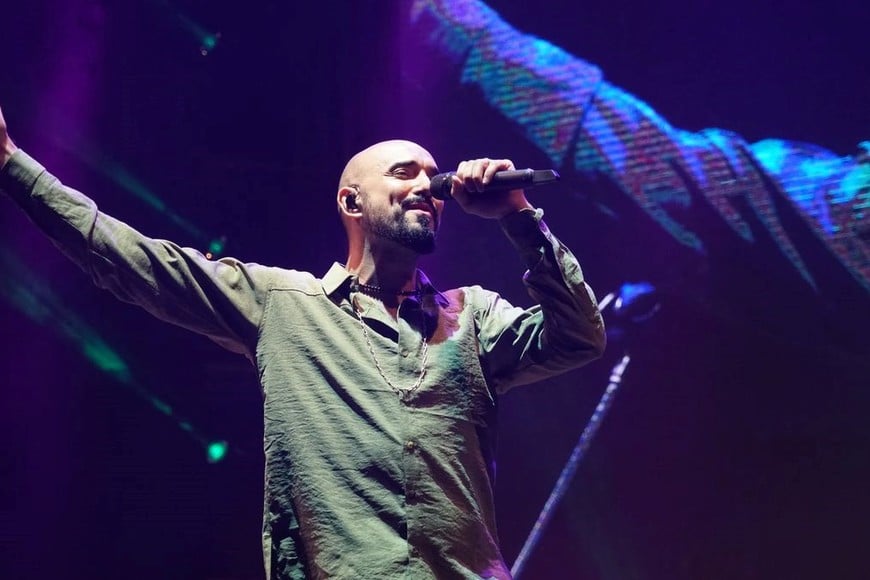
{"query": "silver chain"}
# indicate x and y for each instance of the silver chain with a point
(403, 393)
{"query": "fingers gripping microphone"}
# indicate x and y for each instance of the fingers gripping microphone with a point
(519, 179)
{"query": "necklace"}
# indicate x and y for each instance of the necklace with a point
(403, 393)
(373, 290)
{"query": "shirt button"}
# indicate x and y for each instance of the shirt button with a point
(405, 352)
(410, 446)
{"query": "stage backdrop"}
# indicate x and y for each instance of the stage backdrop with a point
(738, 445)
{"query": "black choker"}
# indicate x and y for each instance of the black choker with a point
(378, 291)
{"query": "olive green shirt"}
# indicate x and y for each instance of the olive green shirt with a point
(366, 476)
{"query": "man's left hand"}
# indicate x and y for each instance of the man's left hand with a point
(469, 183)
(7, 147)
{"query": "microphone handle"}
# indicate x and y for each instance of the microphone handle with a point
(510, 179)
(513, 179)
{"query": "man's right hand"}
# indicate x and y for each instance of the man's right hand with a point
(7, 147)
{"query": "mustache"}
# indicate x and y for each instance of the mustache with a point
(420, 201)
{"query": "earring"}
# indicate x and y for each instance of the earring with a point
(350, 200)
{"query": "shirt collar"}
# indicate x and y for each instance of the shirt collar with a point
(430, 290)
(338, 278)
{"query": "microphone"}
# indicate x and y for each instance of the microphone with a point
(441, 184)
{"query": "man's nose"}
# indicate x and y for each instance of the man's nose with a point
(422, 185)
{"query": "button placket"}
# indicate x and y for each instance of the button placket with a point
(411, 451)
(411, 339)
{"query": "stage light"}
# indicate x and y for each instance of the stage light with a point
(208, 41)
(217, 246)
(96, 159)
(217, 451)
(37, 301)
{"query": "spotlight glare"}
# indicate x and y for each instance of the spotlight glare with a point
(217, 451)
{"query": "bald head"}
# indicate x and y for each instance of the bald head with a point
(379, 157)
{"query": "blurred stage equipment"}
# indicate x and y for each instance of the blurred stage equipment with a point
(632, 304)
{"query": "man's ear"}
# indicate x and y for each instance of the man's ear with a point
(347, 200)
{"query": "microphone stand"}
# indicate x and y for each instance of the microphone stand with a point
(629, 296)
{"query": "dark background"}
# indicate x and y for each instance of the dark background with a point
(734, 450)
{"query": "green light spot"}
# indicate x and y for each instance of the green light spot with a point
(105, 359)
(217, 451)
(209, 43)
(161, 406)
(216, 246)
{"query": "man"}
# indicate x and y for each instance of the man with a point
(379, 390)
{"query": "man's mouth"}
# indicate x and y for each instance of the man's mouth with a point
(420, 206)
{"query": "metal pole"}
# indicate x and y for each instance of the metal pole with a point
(571, 467)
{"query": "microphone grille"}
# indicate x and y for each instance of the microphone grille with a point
(440, 186)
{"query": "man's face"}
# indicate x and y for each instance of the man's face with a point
(395, 198)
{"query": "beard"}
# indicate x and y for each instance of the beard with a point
(419, 236)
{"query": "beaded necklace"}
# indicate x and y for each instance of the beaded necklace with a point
(372, 290)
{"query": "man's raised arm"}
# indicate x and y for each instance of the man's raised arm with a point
(222, 299)
(565, 329)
